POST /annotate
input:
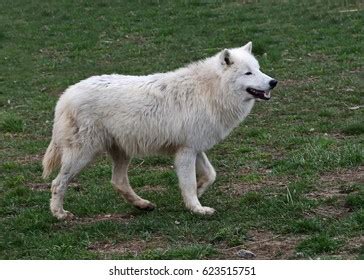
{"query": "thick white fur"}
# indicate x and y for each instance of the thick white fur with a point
(184, 112)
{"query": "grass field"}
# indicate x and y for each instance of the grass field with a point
(290, 178)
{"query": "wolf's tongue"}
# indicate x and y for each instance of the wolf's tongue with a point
(265, 95)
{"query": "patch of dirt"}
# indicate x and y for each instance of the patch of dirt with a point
(352, 247)
(54, 92)
(266, 246)
(133, 246)
(241, 188)
(135, 38)
(51, 53)
(328, 211)
(337, 136)
(337, 184)
(355, 175)
(29, 159)
(318, 57)
(325, 193)
(290, 82)
(38, 186)
(47, 186)
(22, 136)
(234, 190)
(149, 188)
(125, 218)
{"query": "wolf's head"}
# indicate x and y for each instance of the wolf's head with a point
(242, 72)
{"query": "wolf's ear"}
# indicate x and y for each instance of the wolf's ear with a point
(225, 57)
(248, 47)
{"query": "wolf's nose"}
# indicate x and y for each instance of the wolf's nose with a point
(273, 83)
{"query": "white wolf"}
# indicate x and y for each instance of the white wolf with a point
(184, 112)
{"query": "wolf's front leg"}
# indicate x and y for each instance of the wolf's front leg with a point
(186, 171)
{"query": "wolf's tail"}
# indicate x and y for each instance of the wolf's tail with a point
(52, 159)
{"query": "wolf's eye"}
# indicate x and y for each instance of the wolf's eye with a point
(248, 73)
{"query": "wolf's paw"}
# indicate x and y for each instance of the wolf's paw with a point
(203, 210)
(64, 215)
(145, 205)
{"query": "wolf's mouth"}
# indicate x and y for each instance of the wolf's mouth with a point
(261, 94)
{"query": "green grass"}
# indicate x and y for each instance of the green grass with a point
(293, 169)
(306, 226)
(318, 244)
(354, 128)
(356, 200)
(11, 123)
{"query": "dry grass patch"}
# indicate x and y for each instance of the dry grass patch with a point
(330, 211)
(149, 188)
(298, 83)
(29, 159)
(337, 184)
(116, 217)
(134, 247)
(47, 186)
(238, 187)
(335, 187)
(38, 186)
(265, 245)
(352, 247)
(354, 175)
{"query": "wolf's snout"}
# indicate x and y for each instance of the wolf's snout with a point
(273, 83)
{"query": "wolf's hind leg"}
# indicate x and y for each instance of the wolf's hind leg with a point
(206, 174)
(121, 182)
(73, 161)
(186, 171)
